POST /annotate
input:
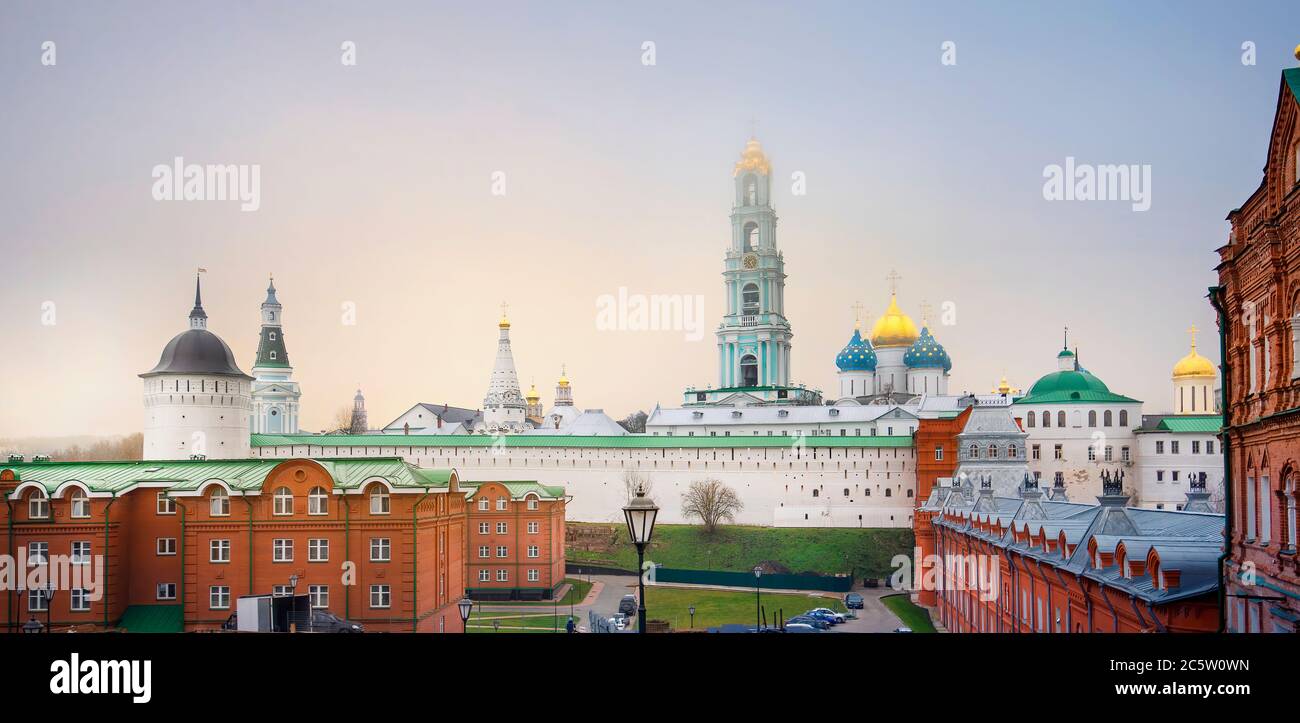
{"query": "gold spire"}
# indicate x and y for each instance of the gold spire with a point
(564, 379)
(1194, 365)
(504, 323)
(753, 159)
(533, 395)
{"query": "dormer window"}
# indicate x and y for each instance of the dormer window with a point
(272, 355)
(271, 336)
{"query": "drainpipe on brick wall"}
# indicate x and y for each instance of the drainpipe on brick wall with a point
(1048, 583)
(9, 598)
(1087, 599)
(1101, 587)
(104, 582)
(347, 552)
(181, 586)
(249, 506)
(1015, 590)
(1160, 628)
(1065, 587)
(415, 568)
(1216, 300)
(1132, 600)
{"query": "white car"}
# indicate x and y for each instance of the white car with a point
(827, 612)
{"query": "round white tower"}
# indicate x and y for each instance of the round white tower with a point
(1193, 380)
(196, 399)
(504, 408)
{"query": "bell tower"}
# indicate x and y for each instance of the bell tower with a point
(754, 336)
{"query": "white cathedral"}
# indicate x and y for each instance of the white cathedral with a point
(795, 458)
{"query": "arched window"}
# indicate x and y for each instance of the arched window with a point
(846, 491)
(317, 501)
(1060, 418)
(909, 493)
(1106, 419)
(750, 299)
(1030, 419)
(38, 505)
(749, 371)
(379, 500)
(993, 451)
(751, 190)
(1047, 418)
(219, 503)
(751, 236)
(974, 451)
(889, 492)
(1092, 417)
(1123, 417)
(1288, 511)
(80, 503)
(1011, 451)
(816, 493)
(282, 501)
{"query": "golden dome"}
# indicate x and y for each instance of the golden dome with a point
(894, 328)
(1004, 388)
(564, 379)
(1194, 365)
(533, 395)
(753, 159)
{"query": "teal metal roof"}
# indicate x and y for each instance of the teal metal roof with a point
(243, 474)
(1206, 425)
(1291, 76)
(630, 441)
(518, 488)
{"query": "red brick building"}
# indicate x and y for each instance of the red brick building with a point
(1258, 300)
(515, 541)
(936, 458)
(171, 545)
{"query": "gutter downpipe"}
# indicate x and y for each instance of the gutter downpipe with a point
(104, 582)
(9, 599)
(181, 585)
(1038, 563)
(1160, 628)
(1132, 600)
(1216, 300)
(415, 569)
(1087, 599)
(1015, 599)
(1065, 587)
(347, 552)
(249, 505)
(1106, 598)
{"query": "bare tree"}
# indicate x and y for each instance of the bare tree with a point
(712, 502)
(634, 422)
(342, 423)
(633, 480)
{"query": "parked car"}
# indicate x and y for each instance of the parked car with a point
(324, 621)
(830, 615)
(816, 622)
(853, 601)
(627, 605)
(903, 629)
(800, 628)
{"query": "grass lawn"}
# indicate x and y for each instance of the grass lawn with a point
(715, 607)
(914, 617)
(517, 622)
(865, 552)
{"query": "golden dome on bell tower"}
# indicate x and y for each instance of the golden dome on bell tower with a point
(753, 159)
(1194, 365)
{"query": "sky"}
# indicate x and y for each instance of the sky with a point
(382, 217)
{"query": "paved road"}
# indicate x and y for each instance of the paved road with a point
(874, 617)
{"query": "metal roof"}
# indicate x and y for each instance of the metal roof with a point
(630, 441)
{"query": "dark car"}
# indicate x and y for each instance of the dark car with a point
(627, 605)
(818, 623)
(853, 601)
(324, 621)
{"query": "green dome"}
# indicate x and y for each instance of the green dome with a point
(1072, 381)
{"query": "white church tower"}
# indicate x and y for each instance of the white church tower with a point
(275, 395)
(504, 408)
(1193, 379)
(196, 400)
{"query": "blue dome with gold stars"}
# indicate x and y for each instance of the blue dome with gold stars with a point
(926, 353)
(857, 355)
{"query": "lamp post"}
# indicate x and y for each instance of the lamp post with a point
(692, 611)
(466, 606)
(640, 515)
(48, 594)
(293, 601)
(32, 625)
(758, 599)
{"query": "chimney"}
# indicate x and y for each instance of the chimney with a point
(1112, 489)
(1198, 500)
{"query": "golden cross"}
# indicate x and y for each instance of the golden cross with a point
(893, 278)
(925, 312)
(1192, 330)
(504, 306)
(857, 313)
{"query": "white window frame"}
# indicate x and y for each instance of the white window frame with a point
(319, 595)
(218, 597)
(318, 549)
(503, 552)
(165, 591)
(43, 555)
(381, 549)
(219, 503)
(282, 502)
(379, 501)
(534, 527)
(502, 528)
(165, 546)
(219, 551)
(80, 552)
(485, 575)
(36, 600)
(282, 549)
(381, 597)
(534, 551)
(165, 505)
(484, 528)
(318, 501)
(38, 505)
(79, 600)
(503, 575)
(534, 575)
(80, 503)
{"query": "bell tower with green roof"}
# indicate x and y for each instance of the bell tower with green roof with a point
(275, 395)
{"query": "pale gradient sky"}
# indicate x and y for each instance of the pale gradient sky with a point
(376, 178)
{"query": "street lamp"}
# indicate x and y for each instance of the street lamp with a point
(640, 514)
(49, 606)
(466, 606)
(758, 596)
(32, 626)
(692, 610)
(293, 602)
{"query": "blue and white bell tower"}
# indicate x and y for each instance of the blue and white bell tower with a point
(754, 336)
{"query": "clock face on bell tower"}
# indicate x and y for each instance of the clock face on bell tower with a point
(751, 261)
